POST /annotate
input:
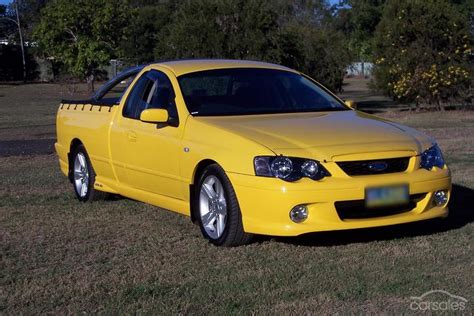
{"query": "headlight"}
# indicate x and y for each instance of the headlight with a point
(281, 167)
(289, 168)
(310, 168)
(432, 157)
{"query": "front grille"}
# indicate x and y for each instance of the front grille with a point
(356, 209)
(369, 167)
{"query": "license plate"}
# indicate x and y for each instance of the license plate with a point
(386, 196)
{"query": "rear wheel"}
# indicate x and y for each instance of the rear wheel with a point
(84, 177)
(218, 210)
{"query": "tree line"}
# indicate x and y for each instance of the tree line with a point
(421, 49)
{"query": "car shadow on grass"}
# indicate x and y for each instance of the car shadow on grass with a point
(461, 214)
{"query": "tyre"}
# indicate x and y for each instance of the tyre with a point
(84, 177)
(218, 211)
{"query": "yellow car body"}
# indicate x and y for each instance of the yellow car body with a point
(160, 165)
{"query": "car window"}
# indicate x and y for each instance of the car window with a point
(116, 92)
(247, 91)
(136, 97)
(153, 90)
(211, 85)
(112, 91)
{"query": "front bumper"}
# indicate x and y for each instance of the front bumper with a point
(265, 203)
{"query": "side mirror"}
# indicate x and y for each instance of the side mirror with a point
(351, 104)
(154, 116)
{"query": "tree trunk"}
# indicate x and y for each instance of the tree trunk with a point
(417, 106)
(440, 106)
(91, 82)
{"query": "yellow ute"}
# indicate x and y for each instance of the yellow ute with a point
(248, 148)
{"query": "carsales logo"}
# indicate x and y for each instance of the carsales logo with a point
(438, 300)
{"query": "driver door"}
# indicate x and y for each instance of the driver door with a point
(152, 150)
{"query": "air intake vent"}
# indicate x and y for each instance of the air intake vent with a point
(357, 210)
(379, 166)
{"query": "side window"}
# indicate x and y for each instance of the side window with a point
(162, 95)
(114, 91)
(136, 96)
(153, 90)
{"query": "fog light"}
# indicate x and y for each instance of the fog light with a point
(440, 197)
(299, 213)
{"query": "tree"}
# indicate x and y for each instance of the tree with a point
(82, 35)
(320, 53)
(15, 19)
(29, 11)
(294, 33)
(8, 27)
(422, 50)
(220, 29)
(144, 31)
(85, 34)
(358, 19)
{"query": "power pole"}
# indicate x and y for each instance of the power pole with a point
(21, 40)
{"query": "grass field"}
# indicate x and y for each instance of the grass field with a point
(60, 256)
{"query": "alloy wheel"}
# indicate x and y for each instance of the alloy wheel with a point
(213, 207)
(81, 175)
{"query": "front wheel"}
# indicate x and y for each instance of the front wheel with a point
(84, 177)
(218, 210)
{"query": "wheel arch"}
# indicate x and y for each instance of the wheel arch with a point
(203, 164)
(74, 144)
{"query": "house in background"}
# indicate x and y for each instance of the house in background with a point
(4, 41)
(360, 69)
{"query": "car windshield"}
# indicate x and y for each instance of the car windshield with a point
(246, 91)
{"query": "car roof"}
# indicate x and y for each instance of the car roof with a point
(185, 66)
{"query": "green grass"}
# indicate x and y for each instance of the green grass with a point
(29, 111)
(61, 256)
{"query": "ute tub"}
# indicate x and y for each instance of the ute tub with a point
(89, 124)
(266, 202)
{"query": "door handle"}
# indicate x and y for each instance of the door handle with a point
(132, 136)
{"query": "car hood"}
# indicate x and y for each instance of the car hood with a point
(325, 135)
